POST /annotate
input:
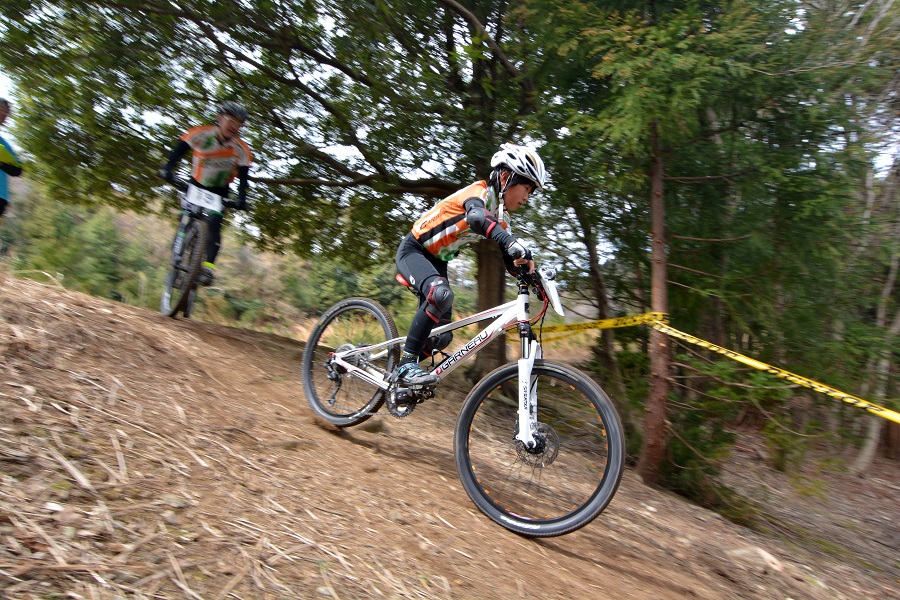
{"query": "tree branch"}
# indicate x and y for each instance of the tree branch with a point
(709, 177)
(476, 25)
(693, 239)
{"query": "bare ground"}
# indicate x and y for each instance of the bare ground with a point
(145, 457)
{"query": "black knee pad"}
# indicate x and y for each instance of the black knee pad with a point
(439, 299)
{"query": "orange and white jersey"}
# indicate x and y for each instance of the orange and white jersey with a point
(443, 230)
(214, 164)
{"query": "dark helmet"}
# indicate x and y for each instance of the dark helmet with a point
(234, 109)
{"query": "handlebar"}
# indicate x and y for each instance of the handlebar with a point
(182, 186)
(544, 279)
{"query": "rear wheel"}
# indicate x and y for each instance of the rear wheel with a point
(564, 482)
(332, 392)
(181, 281)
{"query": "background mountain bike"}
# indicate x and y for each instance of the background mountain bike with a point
(538, 445)
(189, 248)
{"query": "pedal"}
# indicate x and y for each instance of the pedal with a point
(403, 396)
(400, 403)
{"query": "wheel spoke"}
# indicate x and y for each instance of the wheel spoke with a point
(559, 485)
(331, 391)
(178, 294)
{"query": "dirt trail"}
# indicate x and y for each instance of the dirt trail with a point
(145, 457)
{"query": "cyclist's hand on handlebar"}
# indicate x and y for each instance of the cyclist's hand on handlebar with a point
(169, 176)
(521, 255)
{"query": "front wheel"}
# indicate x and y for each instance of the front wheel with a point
(332, 392)
(181, 280)
(568, 479)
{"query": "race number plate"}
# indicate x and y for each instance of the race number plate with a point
(204, 198)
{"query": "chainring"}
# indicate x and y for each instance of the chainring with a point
(403, 407)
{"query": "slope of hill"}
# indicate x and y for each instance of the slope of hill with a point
(147, 457)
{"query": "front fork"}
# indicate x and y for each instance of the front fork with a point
(527, 425)
(178, 244)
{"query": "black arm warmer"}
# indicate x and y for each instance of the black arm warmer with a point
(180, 149)
(14, 170)
(243, 184)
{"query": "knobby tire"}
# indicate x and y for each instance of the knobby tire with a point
(339, 397)
(181, 281)
(548, 492)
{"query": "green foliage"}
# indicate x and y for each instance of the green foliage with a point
(635, 370)
(786, 448)
(762, 150)
(79, 246)
(125, 257)
(362, 113)
(810, 488)
(706, 405)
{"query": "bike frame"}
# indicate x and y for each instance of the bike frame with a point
(504, 316)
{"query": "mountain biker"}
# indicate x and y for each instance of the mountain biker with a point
(9, 162)
(473, 213)
(218, 156)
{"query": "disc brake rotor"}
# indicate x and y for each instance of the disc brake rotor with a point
(545, 450)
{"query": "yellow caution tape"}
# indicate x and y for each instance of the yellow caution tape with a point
(660, 322)
(650, 317)
(793, 378)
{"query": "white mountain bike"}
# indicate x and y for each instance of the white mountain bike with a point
(538, 445)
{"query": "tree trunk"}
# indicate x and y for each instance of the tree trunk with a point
(491, 286)
(867, 453)
(654, 440)
(605, 348)
(891, 325)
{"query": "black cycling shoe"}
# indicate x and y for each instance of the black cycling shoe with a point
(411, 374)
(206, 277)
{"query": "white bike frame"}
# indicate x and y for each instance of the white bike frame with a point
(505, 315)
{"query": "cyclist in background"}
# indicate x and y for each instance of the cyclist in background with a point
(219, 156)
(9, 162)
(473, 213)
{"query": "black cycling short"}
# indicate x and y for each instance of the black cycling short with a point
(417, 265)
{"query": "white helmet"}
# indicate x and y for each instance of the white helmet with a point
(522, 161)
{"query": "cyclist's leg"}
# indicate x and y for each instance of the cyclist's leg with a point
(215, 236)
(421, 270)
(213, 243)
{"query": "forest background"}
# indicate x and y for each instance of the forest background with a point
(733, 164)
